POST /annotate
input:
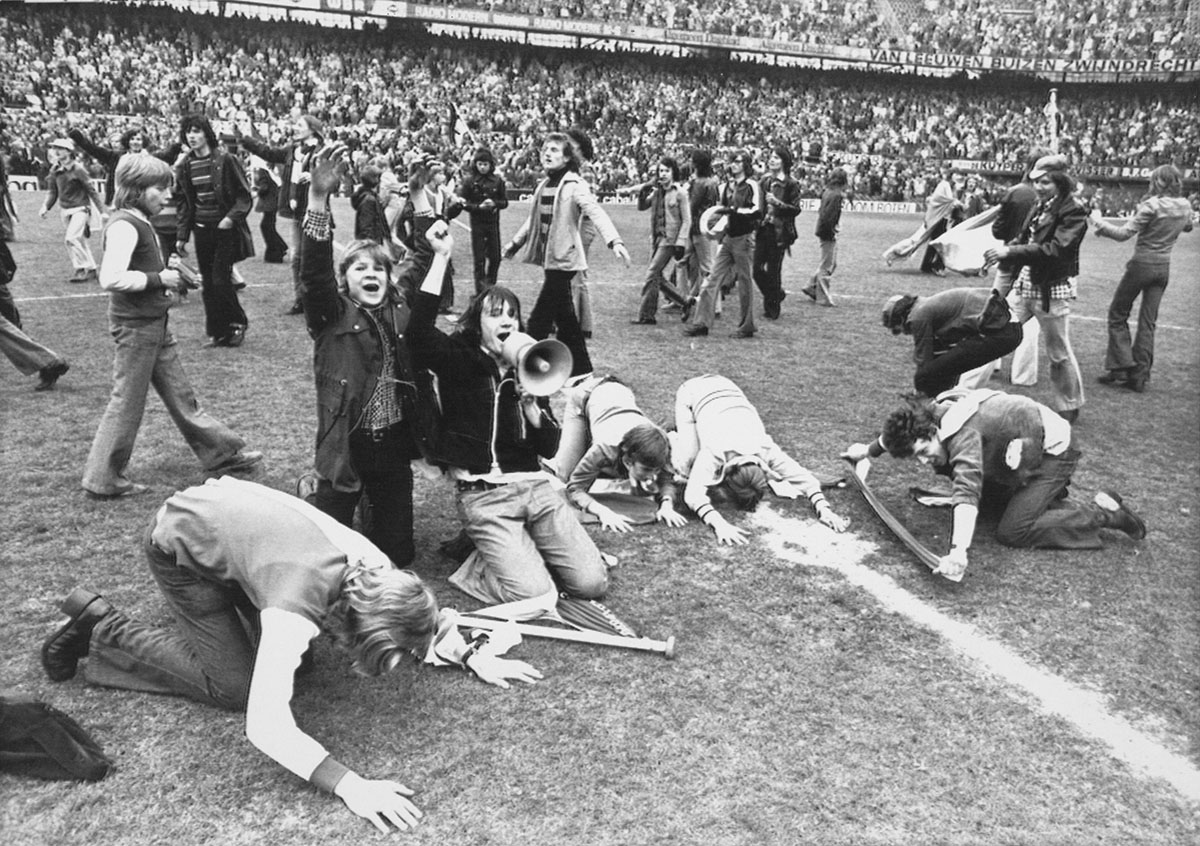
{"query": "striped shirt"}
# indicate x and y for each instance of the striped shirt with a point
(200, 170)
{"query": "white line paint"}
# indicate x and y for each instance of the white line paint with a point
(808, 543)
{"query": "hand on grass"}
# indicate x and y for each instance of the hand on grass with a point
(500, 671)
(610, 519)
(381, 802)
(727, 532)
(667, 514)
(827, 517)
(952, 565)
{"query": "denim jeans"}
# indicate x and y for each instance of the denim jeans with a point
(528, 542)
(148, 356)
(1124, 352)
(208, 658)
(942, 371)
(733, 265)
(1064, 368)
(655, 281)
(1037, 516)
(26, 354)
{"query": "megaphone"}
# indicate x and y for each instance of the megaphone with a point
(542, 366)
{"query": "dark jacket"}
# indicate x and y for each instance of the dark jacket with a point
(939, 321)
(347, 361)
(267, 192)
(475, 400)
(1049, 244)
(781, 218)
(743, 195)
(476, 189)
(285, 156)
(370, 222)
(1015, 206)
(830, 214)
(233, 200)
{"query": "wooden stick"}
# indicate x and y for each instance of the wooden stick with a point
(898, 529)
(643, 644)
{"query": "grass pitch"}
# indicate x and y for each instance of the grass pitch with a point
(800, 709)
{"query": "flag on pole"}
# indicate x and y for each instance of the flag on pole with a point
(1053, 118)
(459, 131)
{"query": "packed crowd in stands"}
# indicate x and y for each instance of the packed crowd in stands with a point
(1104, 29)
(390, 93)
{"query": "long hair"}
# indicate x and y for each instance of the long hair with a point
(1064, 185)
(908, 424)
(197, 121)
(1166, 181)
(136, 173)
(673, 165)
(702, 163)
(785, 156)
(381, 616)
(491, 300)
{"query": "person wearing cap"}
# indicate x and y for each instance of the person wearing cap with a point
(214, 201)
(70, 186)
(252, 576)
(777, 231)
(1161, 216)
(484, 196)
(1007, 456)
(1046, 254)
(953, 331)
(297, 157)
(742, 205)
(721, 446)
(553, 241)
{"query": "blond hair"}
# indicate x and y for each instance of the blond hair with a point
(135, 173)
(381, 616)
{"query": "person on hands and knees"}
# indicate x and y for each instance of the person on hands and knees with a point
(1006, 455)
(722, 446)
(626, 451)
(252, 576)
(529, 545)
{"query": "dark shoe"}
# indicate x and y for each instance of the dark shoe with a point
(63, 649)
(1113, 377)
(688, 308)
(811, 293)
(1137, 384)
(1118, 515)
(771, 312)
(215, 342)
(297, 308)
(237, 336)
(306, 487)
(132, 490)
(239, 286)
(645, 321)
(240, 463)
(741, 334)
(695, 331)
(1070, 415)
(50, 374)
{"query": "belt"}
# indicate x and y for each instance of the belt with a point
(465, 486)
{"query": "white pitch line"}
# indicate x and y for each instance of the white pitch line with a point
(814, 545)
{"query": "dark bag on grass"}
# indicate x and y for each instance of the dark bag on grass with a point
(40, 741)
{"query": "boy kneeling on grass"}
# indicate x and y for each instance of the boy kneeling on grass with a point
(1004, 453)
(252, 576)
(721, 444)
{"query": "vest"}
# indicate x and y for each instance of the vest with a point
(147, 257)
